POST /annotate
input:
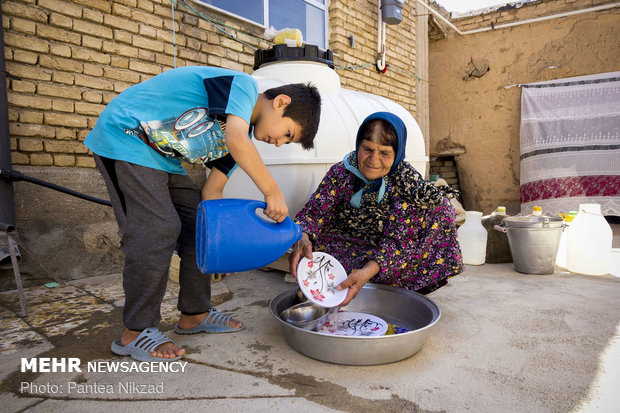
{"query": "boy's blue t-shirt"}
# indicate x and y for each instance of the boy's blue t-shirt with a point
(176, 115)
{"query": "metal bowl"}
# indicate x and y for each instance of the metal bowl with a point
(308, 316)
(403, 308)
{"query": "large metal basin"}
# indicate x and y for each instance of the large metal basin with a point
(401, 307)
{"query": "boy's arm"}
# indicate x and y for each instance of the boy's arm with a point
(247, 157)
(213, 187)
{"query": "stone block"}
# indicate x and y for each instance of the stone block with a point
(61, 159)
(92, 29)
(103, 5)
(23, 56)
(88, 108)
(63, 106)
(121, 23)
(148, 44)
(23, 86)
(119, 74)
(121, 10)
(85, 162)
(92, 70)
(94, 83)
(30, 130)
(23, 26)
(119, 49)
(123, 36)
(27, 101)
(92, 42)
(25, 11)
(62, 119)
(26, 116)
(144, 67)
(30, 145)
(58, 34)
(64, 78)
(83, 54)
(65, 133)
(60, 63)
(60, 20)
(19, 158)
(64, 7)
(149, 18)
(41, 159)
(25, 42)
(60, 50)
(120, 62)
(63, 91)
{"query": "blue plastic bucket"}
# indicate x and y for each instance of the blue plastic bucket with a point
(231, 237)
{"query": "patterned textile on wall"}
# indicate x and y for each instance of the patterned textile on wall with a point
(570, 144)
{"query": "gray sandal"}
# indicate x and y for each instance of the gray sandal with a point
(140, 349)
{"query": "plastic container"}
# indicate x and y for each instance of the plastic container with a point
(473, 239)
(536, 212)
(298, 172)
(289, 37)
(498, 249)
(589, 242)
(614, 267)
(231, 237)
(560, 260)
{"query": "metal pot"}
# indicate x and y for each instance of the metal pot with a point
(307, 315)
(533, 241)
(401, 307)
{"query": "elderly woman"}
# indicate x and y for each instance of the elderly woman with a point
(378, 216)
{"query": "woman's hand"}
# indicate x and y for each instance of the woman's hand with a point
(356, 280)
(303, 248)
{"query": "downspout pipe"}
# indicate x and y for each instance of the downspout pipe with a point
(381, 26)
(7, 199)
(505, 25)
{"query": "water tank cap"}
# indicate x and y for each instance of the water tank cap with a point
(284, 53)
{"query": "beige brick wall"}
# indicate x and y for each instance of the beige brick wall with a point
(66, 59)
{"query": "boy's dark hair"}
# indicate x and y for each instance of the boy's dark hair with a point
(305, 108)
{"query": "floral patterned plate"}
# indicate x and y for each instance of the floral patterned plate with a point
(352, 324)
(318, 278)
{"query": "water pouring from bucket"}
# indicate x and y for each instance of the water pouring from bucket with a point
(231, 237)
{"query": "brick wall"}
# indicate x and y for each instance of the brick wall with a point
(66, 59)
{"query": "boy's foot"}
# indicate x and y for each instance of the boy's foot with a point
(166, 350)
(209, 322)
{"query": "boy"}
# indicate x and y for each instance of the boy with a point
(200, 115)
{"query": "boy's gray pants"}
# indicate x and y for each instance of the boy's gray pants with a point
(155, 211)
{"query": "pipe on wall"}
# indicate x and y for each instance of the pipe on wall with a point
(380, 40)
(7, 200)
(502, 26)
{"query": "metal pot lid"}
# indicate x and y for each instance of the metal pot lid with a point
(533, 222)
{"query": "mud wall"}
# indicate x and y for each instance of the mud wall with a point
(474, 105)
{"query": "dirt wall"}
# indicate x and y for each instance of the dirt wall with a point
(474, 103)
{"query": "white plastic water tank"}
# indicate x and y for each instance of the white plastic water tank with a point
(298, 172)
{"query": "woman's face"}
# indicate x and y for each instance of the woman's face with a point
(374, 160)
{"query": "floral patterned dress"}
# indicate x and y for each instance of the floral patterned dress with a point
(411, 232)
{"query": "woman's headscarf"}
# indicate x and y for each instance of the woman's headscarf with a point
(375, 190)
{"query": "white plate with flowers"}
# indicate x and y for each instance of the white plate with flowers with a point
(319, 277)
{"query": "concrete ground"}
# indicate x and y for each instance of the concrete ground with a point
(506, 342)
